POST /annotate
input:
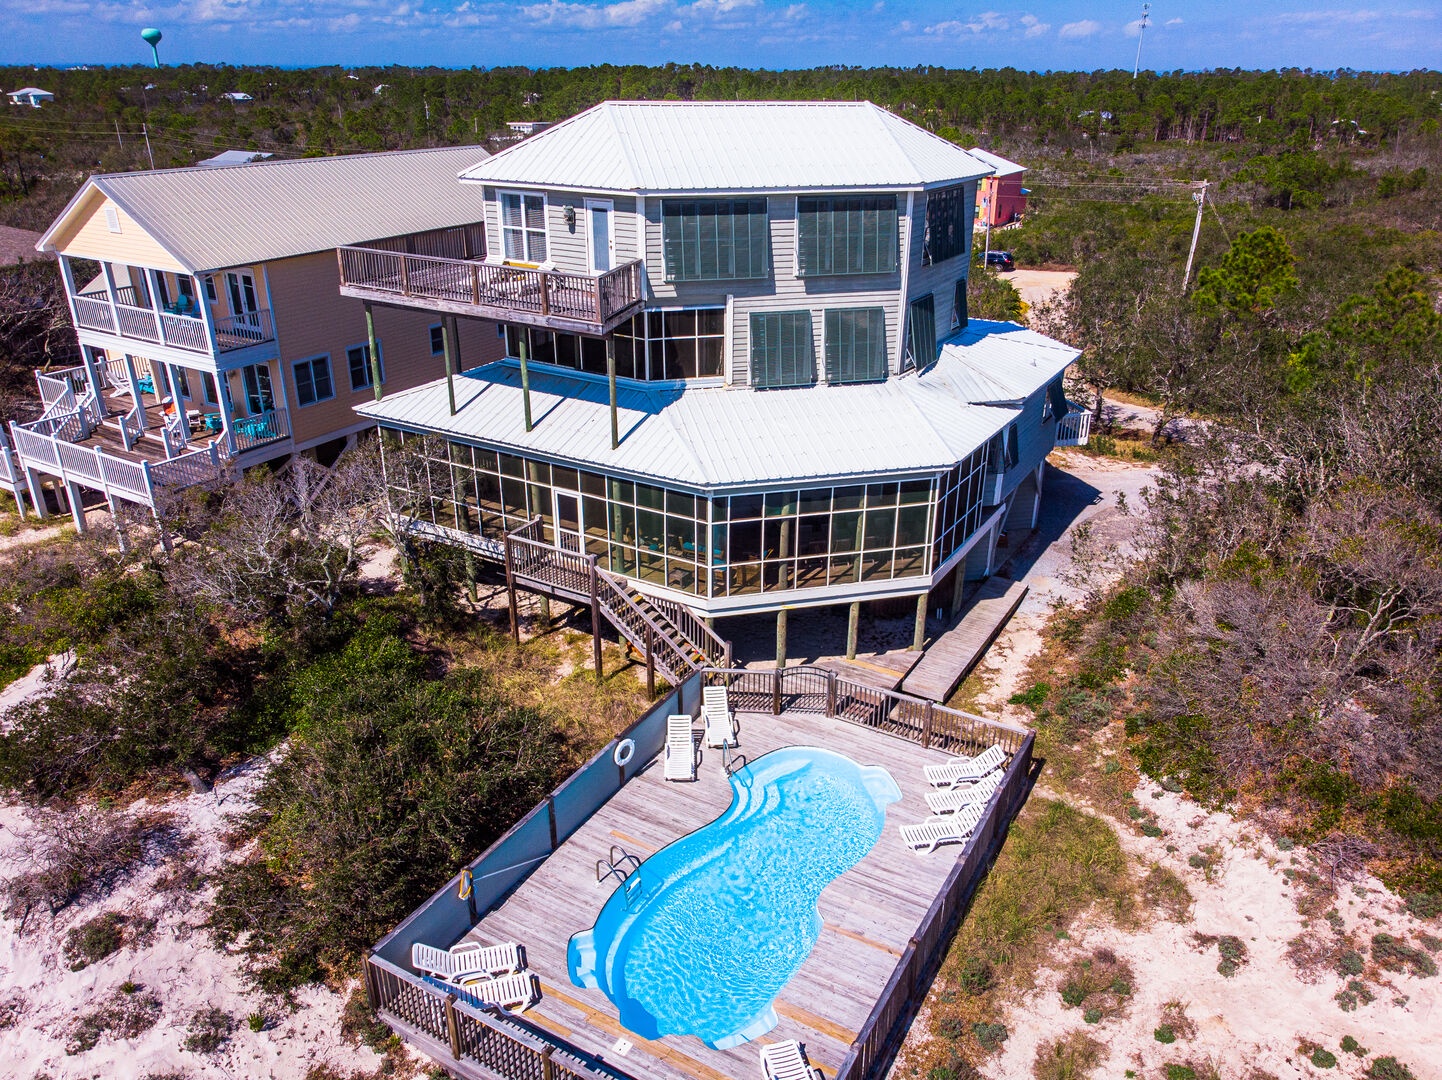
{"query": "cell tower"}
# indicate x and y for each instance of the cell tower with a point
(152, 38)
(1141, 31)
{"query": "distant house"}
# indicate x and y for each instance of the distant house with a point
(32, 96)
(1001, 198)
(527, 127)
(234, 157)
(237, 95)
(380, 87)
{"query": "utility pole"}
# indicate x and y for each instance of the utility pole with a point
(1141, 32)
(1200, 198)
(145, 130)
(986, 220)
(118, 139)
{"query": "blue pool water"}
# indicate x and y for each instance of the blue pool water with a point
(701, 939)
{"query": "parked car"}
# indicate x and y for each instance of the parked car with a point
(1002, 260)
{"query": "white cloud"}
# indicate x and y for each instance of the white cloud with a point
(595, 16)
(1173, 22)
(1083, 29)
(988, 22)
(794, 12)
(1034, 26)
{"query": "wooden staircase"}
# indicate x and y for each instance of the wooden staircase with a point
(678, 642)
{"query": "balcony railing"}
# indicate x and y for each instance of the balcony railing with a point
(93, 311)
(1075, 428)
(266, 427)
(582, 303)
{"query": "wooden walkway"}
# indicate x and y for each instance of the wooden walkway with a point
(952, 656)
(868, 914)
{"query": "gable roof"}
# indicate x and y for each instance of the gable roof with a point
(1001, 363)
(211, 217)
(999, 164)
(681, 146)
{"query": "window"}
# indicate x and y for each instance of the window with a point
(1056, 402)
(258, 398)
(945, 225)
(312, 380)
(358, 359)
(207, 386)
(715, 239)
(782, 352)
(183, 381)
(523, 226)
(688, 343)
(846, 235)
(210, 289)
(958, 305)
(855, 345)
(921, 332)
(438, 340)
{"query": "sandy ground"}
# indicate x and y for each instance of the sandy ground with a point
(1259, 1017)
(1038, 285)
(175, 961)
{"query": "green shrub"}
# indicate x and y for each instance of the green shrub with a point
(1165, 1034)
(93, 940)
(1395, 954)
(1425, 905)
(1388, 1068)
(1151, 829)
(1352, 1046)
(990, 1036)
(1323, 1059)
(950, 1027)
(256, 1021)
(1073, 995)
(1285, 843)
(1234, 954)
(209, 1029)
(359, 1023)
(125, 1016)
(1350, 963)
(975, 976)
(1179, 1072)
(1092, 1016)
(1355, 993)
(1034, 697)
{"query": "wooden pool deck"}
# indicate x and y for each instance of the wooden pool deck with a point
(868, 914)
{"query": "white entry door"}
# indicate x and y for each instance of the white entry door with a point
(568, 522)
(599, 213)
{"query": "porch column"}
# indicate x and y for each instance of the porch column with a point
(109, 273)
(611, 381)
(37, 493)
(227, 419)
(1036, 500)
(918, 638)
(135, 389)
(523, 347)
(446, 347)
(375, 353)
(781, 638)
(152, 281)
(77, 504)
(853, 625)
(87, 357)
(178, 399)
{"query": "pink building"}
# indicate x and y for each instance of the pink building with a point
(1000, 199)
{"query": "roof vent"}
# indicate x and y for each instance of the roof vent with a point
(112, 219)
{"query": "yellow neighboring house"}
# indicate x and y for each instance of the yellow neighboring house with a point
(212, 331)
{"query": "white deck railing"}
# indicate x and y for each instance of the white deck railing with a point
(1075, 428)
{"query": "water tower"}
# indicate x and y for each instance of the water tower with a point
(152, 38)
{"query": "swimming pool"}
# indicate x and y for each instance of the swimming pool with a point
(701, 939)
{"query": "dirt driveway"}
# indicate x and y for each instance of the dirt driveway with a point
(1038, 285)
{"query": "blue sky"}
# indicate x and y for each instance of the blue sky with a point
(1043, 34)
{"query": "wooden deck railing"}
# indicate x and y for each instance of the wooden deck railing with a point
(494, 288)
(434, 1019)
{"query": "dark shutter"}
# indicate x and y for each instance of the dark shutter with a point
(959, 310)
(782, 351)
(921, 331)
(846, 235)
(715, 239)
(855, 345)
(945, 235)
(1057, 392)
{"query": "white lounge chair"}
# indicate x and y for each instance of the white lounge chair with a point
(680, 760)
(720, 720)
(953, 799)
(787, 1061)
(965, 770)
(941, 829)
(467, 959)
(516, 992)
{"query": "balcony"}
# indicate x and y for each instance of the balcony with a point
(128, 320)
(1074, 429)
(573, 303)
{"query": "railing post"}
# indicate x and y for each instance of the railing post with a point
(149, 483)
(475, 285)
(405, 276)
(595, 615)
(511, 589)
(551, 819)
(926, 719)
(776, 692)
(650, 665)
(545, 292)
(453, 1028)
(831, 693)
(548, 1070)
(372, 994)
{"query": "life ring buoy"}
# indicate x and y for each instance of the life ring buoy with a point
(625, 751)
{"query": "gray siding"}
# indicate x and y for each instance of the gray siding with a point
(1036, 439)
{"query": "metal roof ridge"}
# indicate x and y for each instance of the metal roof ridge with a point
(251, 166)
(515, 147)
(916, 407)
(622, 145)
(880, 115)
(681, 437)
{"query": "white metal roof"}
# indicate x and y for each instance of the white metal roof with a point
(1000, 165)
(212, 217)
(1000, 363)
(710, 437)
(680, 146)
